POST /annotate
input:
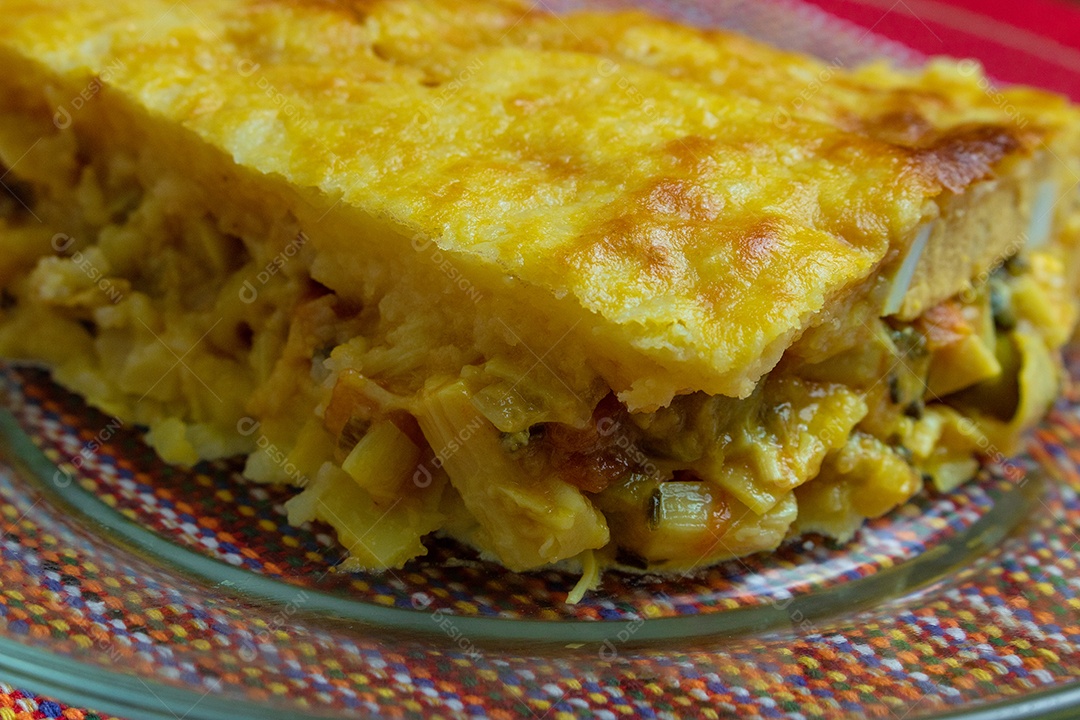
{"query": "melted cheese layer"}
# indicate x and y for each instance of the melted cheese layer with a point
(683, 202)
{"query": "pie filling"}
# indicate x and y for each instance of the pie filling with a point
(205, 326)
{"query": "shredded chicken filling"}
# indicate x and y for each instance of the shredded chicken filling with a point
(113, 274)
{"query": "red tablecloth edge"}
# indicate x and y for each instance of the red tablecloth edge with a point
(1035, 42)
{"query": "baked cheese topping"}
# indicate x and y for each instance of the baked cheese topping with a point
(628, 184)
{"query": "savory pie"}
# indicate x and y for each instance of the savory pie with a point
(597, 288)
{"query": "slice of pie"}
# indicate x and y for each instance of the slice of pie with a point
(597, 288)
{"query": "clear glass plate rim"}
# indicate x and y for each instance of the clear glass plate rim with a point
(959, 550)
(87, 685)
(82, 685)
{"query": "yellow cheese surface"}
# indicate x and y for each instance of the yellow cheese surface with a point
(692, 199)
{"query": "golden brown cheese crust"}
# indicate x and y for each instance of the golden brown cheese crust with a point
(698, 196)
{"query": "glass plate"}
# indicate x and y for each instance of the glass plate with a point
(136, 588)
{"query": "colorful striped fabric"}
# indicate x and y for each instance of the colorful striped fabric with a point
(1000, 625)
